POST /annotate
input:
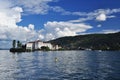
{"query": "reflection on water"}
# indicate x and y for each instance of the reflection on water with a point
(60, 65)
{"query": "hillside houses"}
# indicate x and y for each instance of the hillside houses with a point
(35, 45)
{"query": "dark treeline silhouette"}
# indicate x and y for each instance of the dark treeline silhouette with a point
(17, 46)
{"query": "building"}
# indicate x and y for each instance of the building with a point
(38, 44)
(30, 46)
(48, 45)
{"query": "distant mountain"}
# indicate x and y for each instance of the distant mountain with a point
(91, 41)
(4, 48)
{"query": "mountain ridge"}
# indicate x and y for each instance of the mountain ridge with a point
(109, 41)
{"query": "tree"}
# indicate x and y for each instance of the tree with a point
(45, 48)
(14, 43)
(19, 44)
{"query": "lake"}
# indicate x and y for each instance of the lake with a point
(60, 65)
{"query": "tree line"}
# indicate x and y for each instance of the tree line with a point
(109, 41)
(16, 44)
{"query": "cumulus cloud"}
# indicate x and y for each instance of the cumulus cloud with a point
(16, 13)
(59, 29)
(31, 26)
(8, 28)
(101, 17)
(103, 14)
(11, 13)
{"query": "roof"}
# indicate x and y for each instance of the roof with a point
(38, 41)
(31, 42)
(35, 41)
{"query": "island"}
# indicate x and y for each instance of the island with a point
(33, 46)
(81, 42)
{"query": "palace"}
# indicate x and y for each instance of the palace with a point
(34, 45)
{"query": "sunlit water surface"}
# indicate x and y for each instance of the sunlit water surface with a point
(60, 65)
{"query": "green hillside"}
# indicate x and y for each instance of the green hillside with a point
(91, 41)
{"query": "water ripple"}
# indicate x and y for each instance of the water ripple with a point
(60, 65)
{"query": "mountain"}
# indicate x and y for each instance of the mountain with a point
(4, 48)
(91, 41)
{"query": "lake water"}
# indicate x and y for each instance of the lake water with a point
(60, 65)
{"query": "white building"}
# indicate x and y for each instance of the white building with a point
(48, 45)
(30, 46)
(38, 44)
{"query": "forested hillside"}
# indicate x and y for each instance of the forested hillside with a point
(91, 41)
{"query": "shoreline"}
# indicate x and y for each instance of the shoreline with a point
(24, 50)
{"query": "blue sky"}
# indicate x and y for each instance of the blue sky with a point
(28, 20)
(76, 6)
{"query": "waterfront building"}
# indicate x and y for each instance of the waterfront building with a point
(35, 45)
(30, 46)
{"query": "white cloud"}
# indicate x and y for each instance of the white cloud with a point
(103, 14)
(109, 31)
(112, 16)
(31, 26)
(81, 20)
(60, 10)
(49, 36)
(98, 15)
(59, 29)
(9, 30)
(34, 6)
(11, 11)
(42, 7)
(103, 11)
(101, 17)
(79, 13)
(40, 37)
(57, 9)
(99, 25)
(16, 13)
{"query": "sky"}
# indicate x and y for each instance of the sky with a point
(29, 20)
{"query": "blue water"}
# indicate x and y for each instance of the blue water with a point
(60, 65)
